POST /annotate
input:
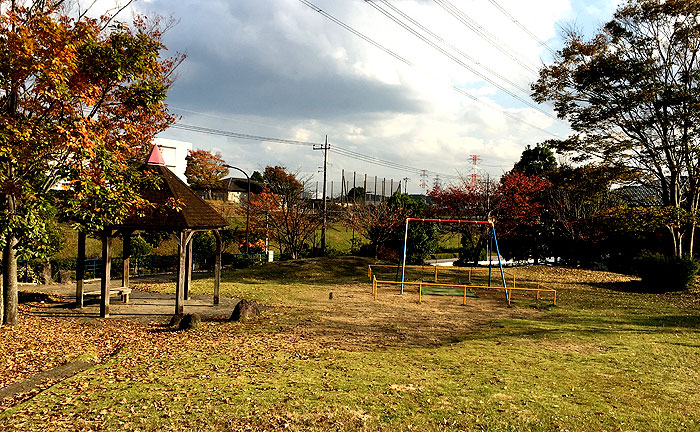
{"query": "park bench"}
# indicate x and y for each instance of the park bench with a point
(122, 292)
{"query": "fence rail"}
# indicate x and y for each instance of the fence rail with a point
(509, 289)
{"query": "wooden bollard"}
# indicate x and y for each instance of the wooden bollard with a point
(436, 272)
(464, 301)
(420, 293)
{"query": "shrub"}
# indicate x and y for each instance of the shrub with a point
(140, 246)
(661, 273)
(203, 249)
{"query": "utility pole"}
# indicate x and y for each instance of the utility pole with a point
(374, 200)
(325, 148)
(405, 185)
(342, 187)
(364, 197)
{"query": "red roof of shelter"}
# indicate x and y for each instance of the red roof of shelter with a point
(194, 212)
(155, 158)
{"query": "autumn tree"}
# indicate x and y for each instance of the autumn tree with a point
(377, 223)
(576, 197)
(282, 210)
(80, 100)
(205, 170)
(518, 209)
(465, 200)
(631, 94)
(468, 201)
(383, 224)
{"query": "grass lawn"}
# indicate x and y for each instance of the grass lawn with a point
(604, 358)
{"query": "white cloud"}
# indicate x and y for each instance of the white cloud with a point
(278, 68)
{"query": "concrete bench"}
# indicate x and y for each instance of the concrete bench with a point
(122, 292)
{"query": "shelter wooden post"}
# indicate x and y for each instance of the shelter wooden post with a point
(80, 270)
(195, 215)
(217, 266)
(182, 262)
(106, 270)
(188, 270)
(126, 236)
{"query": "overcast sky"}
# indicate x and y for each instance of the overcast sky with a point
(280, 69)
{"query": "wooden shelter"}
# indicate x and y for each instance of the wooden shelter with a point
(192, 215)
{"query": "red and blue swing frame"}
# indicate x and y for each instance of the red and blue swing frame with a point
(493, 240)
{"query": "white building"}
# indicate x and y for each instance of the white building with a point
(174, 153)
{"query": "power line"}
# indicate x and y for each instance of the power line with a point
(210, 131)
(374, 160)
(355, 32)
(237, 120)
(489, 37)
(505, 113)
(454, 58)
(403, 60)
(438, 38)
(525, 29)
(335, 149)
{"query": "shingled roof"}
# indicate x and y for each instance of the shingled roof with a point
(639, 195)
(194, 214)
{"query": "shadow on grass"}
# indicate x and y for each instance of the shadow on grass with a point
(632, 287)
(310, 271)
(586, 326)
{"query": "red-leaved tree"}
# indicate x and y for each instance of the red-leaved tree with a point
(518, 208)
(281, 210)
(377, 223)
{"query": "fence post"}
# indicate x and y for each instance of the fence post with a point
(420, 292)
(464, 302)
(436, 268)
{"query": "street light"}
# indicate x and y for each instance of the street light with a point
(247, 209)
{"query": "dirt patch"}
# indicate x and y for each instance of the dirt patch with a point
(353, 320)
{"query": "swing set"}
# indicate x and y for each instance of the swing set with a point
(493, 242)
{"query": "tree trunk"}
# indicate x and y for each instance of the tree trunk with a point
(9, 283)
(677, 236)
(691, 239)
(2, 290)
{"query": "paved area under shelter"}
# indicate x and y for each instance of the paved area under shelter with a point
(145, 307)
